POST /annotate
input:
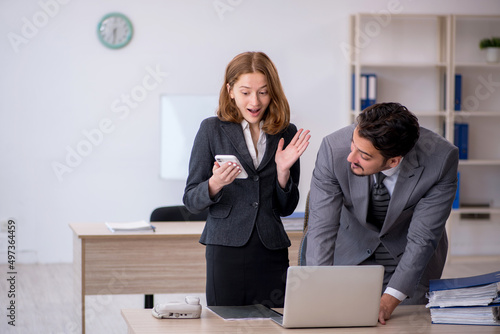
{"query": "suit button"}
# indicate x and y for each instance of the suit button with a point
(369, 251)
(256, 178)
(255, 205)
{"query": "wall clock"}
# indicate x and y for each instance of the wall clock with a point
(115, 30)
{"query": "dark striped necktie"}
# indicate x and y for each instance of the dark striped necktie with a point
(379, 202)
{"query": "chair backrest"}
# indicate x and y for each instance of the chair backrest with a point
(303, 242)
(176, 213)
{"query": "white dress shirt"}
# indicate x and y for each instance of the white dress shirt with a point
(257, 154)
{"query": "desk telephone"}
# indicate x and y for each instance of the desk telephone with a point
(190, 309)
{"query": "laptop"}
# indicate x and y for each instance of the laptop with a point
(331, 296)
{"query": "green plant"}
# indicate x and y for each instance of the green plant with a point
(493, 42)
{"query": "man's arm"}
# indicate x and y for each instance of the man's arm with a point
(424, 234)
(325, 204)
(427, 225)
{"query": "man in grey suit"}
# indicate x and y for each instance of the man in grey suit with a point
(419, 178)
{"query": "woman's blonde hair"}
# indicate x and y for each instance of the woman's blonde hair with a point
(277, 115)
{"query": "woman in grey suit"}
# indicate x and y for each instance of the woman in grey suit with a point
(247, 246)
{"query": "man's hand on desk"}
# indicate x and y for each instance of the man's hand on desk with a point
(387, 305)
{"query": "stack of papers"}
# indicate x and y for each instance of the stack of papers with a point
(480, 295)
(130, 226)
(468, 301)
(478, 315)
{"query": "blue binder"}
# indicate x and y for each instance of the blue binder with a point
(461, 139)
(466, 315)
(458, 92)
(371, 89)
(368, 90)
(456, 201)
(363, 93)
(447, 314)
(464, 282)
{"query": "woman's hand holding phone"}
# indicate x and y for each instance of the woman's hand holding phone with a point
(225, 170)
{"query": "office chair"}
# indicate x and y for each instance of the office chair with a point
(177, 213)
(303, 242)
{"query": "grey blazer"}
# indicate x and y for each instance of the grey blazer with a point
(414, 230)
(257, 201)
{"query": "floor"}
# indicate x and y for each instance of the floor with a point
(43, 298)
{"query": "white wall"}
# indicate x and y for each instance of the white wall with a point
(58, 83)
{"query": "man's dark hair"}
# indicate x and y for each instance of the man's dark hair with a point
(390, 127)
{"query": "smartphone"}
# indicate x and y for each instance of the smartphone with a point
(231, 158)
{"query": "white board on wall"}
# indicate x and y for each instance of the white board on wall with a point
(181, 116)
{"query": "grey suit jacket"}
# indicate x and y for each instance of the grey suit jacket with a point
(414, 230)
(257, 201)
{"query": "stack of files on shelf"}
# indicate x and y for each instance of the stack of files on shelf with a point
(368, 90)
(466, 301)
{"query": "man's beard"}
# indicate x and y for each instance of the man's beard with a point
(359, 175)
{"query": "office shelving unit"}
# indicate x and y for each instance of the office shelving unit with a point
(416, 58)
(480, 173)
(410, 55)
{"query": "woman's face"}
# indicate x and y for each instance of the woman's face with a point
(251, 94)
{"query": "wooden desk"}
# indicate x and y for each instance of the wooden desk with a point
(171, 260)
(405, 319)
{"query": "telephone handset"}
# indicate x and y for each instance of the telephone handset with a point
(190, 309)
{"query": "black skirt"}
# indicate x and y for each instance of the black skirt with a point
(247, 275)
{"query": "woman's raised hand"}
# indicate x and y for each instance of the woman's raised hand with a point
(285, 158)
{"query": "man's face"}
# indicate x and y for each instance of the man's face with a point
(365, 159)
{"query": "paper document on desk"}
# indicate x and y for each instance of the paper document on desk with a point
(130, 226)
(473, 315)
(249, 312)
(465, 291)
(475, 296)
(466, 301)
